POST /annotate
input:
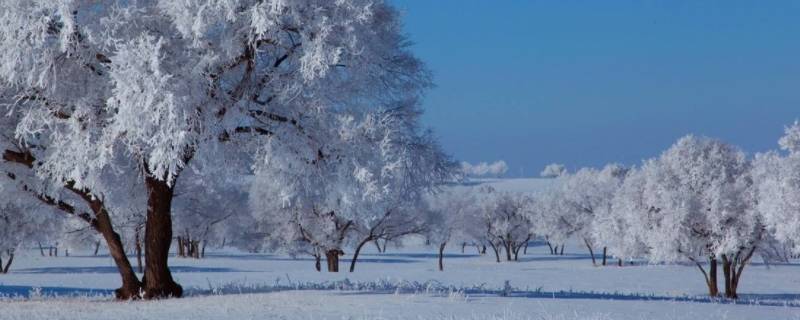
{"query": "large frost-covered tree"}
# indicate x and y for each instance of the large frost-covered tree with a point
(698, 203)
(153, 83)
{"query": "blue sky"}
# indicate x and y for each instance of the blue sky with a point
(586, 83)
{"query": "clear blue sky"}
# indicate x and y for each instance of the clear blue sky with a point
(586, 83)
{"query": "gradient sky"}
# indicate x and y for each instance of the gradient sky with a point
(586, 83)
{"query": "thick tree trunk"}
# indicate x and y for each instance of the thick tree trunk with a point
(332, 256)
(733, 268)
(507, 245)
(713, 290)
(355, 253)
(605, 249)
(441, 256)
(158, 282)
(131, 286)
(619, 262)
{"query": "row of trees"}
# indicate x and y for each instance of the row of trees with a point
(702, 201)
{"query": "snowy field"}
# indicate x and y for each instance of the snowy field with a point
(401, 284)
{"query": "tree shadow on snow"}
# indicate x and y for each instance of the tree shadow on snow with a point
(548, 257)
(776, 300)
(421, 255)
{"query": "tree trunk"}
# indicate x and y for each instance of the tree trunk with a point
(496, 253)
(196, 249)
(41, 249)
(181, 251)
(463, 247)
(131, 286)
(8, 264)
(713, 290)
(138, 249)
(619, 263)
(441, 256)
(520, 246)
(525, 251)
(385, 245)
(358, 250)
(604, 255)
(483, 249)
(733, 268)
(158, 282)
(50, 251)
(96, 247)
(318, 263)
(508, 248)
(378, 245)
(203, 249)
(562, 248)
(550, 246)
(55, 250)
(591, 252)
(333, 260)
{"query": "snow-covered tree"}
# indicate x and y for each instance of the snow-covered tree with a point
(587, 194)
(155, 83)
(456, 218)
(483, 169)
(506, 222)
(553, 170)
(698, 201)
(616, 228)
(547, 209)
(778, 189)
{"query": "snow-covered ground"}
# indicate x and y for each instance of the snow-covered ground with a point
(401, 284)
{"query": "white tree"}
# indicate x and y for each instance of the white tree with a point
(506, 222)
(157, 82)
(553, 170)
(586, 195)
(616, 228)
(778, 189)
(699, 201)
(456, 218)
(483, 169)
